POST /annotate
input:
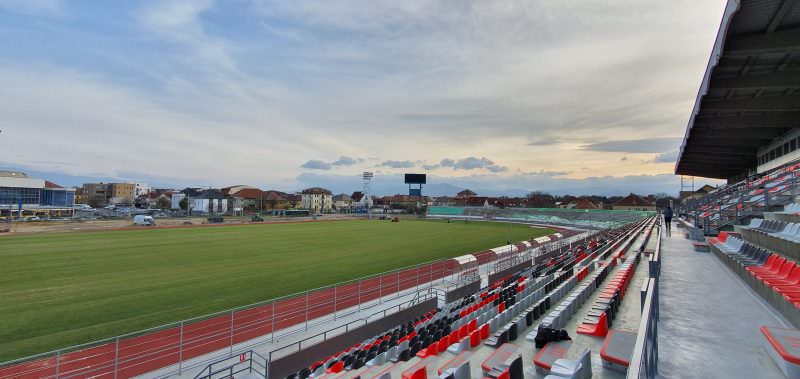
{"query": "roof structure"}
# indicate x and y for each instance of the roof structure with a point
(246, 193)
(13, 174)
(466, 193)
(357, 196)
(748, 96)
(272, 195)
(317, 191)
(210, 194)
(342, 197)
(633, 200)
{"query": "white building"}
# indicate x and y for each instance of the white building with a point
(209, 201)
(141, 189)
(342, 201)
(176, 200)
(316, 199)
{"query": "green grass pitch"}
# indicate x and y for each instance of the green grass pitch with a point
(68, 288)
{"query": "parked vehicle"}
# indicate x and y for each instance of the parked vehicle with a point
(144, 220)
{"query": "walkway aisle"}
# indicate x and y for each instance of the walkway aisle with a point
(709, 318)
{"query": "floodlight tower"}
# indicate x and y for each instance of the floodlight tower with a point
(367, 177)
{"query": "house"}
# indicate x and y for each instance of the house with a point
(541, 200)
(209, 201)
(465, 194)
(580, 203)
(316, 199)
(244, 197)
(177, 197)
(275, 200)
(342, 201)
(360, 200)
(700, 193)
(634, 202)
(584, 203)
(141, 189)
(294, 200)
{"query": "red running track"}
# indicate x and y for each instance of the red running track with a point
(152, 351)
(148, 352)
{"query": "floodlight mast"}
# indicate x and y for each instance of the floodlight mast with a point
(367, 177)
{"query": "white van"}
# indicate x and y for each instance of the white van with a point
(144, 220)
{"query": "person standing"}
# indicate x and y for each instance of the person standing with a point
(667, 217)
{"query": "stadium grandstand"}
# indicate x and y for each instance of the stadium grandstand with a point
(744, 129)
(583, 218)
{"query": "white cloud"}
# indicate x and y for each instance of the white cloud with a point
(414, 80)
(315, 164)
(346, 161)
(397, 164)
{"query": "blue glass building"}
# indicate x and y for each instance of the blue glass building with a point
(31, 196)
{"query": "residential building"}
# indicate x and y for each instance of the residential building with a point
(317, 199)
(121, 193)
(541, 200)
(141, 189)
(243, 197)
(634, 202)
(209, 201)
(95, 194)
(699, 193)
(158, 199)
(294, 200)
(361, 201)
(21, 195)
(465, 193)
(275, 200)
(580, 203)
(177, 197)
(342, 201)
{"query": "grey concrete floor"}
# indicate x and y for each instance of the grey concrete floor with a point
(710, 319)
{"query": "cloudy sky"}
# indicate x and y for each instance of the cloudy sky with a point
(573, 96)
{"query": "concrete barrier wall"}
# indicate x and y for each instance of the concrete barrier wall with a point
(293, 362)
(502, 274)
(458, 293)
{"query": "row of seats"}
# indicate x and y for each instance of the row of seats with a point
(462, 325)
(505, 361)
(793, 208)
(600, 318)
(772, 270)
(777, 279)
(749, 193)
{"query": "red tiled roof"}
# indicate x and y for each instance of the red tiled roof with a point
(248, 193)
(49, 184)
(633, 201)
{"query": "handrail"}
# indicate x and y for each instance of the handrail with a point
(363, 320)
(644, 362)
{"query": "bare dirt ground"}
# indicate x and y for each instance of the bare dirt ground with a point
(97, 225)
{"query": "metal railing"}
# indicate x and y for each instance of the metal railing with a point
(173, 344)
(249, 361)
(321, 337)
(240, 328)
(644, 363)
(734, 203)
